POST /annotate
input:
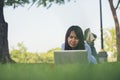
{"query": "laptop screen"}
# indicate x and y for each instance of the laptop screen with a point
(70, 56)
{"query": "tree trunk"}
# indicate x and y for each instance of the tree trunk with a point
(4, 50)
(117, 28)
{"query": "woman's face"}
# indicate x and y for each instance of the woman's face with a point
(73, 40)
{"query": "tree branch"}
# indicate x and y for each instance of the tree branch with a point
(117, 4)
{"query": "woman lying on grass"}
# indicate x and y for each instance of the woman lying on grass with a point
(74, 40)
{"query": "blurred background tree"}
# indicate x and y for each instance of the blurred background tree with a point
(110, 43)
(4, 49)
(21, 55)
(114, 8)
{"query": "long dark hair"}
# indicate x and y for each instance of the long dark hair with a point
(79, 33)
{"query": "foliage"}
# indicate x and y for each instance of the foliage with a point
(117, 25)
(20, 55)
(45, 3)
(110, 41)
(48, 56)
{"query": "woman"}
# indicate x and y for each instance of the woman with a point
(74, 40)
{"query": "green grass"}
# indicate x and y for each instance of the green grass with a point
(104, 71)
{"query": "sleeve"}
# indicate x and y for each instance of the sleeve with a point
(91, 58)
(63, 46)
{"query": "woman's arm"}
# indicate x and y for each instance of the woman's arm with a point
(91, 58)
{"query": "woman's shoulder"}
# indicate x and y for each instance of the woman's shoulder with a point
(63, 46)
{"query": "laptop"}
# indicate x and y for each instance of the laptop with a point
(70, 57)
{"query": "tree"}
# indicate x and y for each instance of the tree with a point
(4, 49)
(110, 43)
(110, 40)
(117, 26)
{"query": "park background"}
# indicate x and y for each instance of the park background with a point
(41, 29)
(29, 28)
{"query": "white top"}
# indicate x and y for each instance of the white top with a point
(91, 58)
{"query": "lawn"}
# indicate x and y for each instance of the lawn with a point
(35, 71)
